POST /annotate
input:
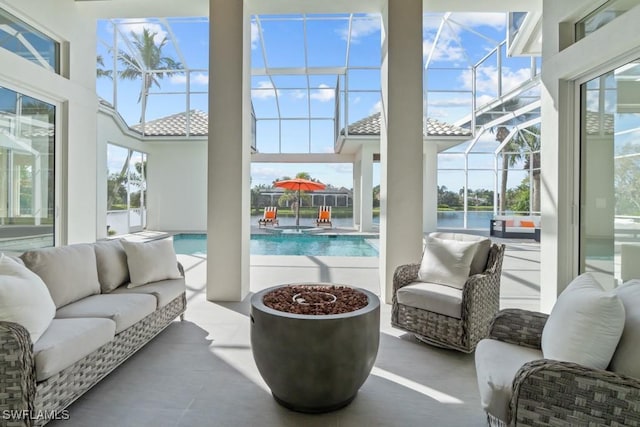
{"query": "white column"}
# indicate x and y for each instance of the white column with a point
(228, 227)
(357, 190)
(430, 190)
(366, 189)
(400, 139)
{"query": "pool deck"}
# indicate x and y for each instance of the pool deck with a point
(520, 284)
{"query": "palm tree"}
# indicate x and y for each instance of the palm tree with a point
(147, 63)
(100, 70)
(508, 160)
(525, 144)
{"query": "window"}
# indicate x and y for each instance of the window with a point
(610, 175)
(602, 16)
(27, 146)
(126, 190)
(24, 40)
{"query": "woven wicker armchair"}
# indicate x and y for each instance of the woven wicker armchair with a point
(550, 392)
(480, 302)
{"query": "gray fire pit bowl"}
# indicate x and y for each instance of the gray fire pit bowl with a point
(314, 363)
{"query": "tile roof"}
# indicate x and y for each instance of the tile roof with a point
(370, 126)
(176, 125)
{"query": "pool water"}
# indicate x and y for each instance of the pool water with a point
(306, 245)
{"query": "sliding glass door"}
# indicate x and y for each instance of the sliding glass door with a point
(610, 175)
(27, 184)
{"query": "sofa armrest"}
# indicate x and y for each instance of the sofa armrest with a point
(404, 275)
(551, 392)
(17, 370)
(521, 327)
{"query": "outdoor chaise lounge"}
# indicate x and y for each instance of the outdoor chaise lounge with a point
(515, 227)
(270, 217)
(324, 217)
(449, 299)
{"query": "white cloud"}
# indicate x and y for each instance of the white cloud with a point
(377, 107)
(446, 50)
(361, 27)
(448, 47)
(451, 102)
(487, 79)
(474, 20)
(298, 94)
(323, 93)
(255, 35)
(138, 26)
(264, 90)
(196, 78)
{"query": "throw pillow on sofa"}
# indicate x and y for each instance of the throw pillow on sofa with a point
(625, 360)
(151, 261)
(70, 272)
(113, 270)
(585, 324)
(446, 262)
(24, 298)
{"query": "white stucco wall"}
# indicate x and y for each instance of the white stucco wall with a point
(177, 186)
(610, 46)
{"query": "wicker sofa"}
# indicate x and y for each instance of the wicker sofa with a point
(519, 386)
(96, 327)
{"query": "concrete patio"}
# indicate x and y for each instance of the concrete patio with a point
(201, 371)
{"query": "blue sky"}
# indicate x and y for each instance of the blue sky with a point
(284, 103)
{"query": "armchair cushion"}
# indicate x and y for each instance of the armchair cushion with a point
(625, 360)
(585, 324)
(497, 363)
(434, 297)
(446, 262)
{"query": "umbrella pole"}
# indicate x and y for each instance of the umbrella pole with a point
(298, 210)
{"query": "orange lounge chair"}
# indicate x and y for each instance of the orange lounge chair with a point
(270, 217)
(324, 217)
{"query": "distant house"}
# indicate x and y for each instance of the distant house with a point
(330, 196)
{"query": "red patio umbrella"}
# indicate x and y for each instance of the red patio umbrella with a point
(299, 184)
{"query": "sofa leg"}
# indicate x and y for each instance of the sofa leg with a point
(182, 317)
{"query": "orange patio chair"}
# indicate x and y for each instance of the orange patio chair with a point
(324, 217)
(270, 217)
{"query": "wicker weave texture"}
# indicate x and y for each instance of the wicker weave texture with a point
(480, 303)
(549, 392)
(59, 391)
(17, 378)
(521, 327)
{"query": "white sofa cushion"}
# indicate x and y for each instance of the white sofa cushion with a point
(165, 291)
(151, 261)
(497, 363)
(125, 310)
(626, 359)
(68, 340)
(434, 297)
(479, 262)
(69, 272)
(446, 262)
(24, 298)
(585, 324)
(111, 260)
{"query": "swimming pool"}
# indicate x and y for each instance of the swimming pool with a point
(291, 244)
